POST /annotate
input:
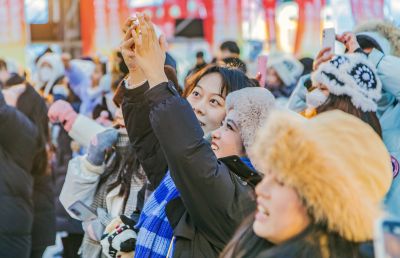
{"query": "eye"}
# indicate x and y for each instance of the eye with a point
(229, 126)
(214, 102)
(195, 93)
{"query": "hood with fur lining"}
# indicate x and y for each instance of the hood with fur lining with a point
(387, 30)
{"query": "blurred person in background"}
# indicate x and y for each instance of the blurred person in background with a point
(200, 63)
(230, 55)
(283, 72)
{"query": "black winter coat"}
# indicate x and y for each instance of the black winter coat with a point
(18, 143)
(213, 200)
(64, 222)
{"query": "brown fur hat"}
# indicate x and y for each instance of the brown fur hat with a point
(337, 164)
(386, 30)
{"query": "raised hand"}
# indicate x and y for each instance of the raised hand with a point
(61, 111)
(349, 40)
(100, 144)
(127, 46)
(322, 57)
(150, 51)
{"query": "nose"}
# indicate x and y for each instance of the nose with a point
(215, 135)
(199, 107)
(262, 189)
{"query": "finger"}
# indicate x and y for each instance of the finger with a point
(137, 41)
(322, 52)
(258, 77)
(143, 28)
(128, 44)
(127, 35)
(127, 24)
(150, 28)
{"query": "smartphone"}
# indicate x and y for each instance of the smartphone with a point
(387, 238)
(237, 166)
(262, 68)
(328, 39)
(82, 211)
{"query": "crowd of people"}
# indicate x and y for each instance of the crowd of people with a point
(120, 160)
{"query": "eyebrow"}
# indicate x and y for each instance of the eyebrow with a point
(218, 94)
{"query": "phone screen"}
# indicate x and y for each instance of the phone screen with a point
(391, 239)
(81, 211)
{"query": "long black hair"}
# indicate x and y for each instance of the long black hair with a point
(126, 165)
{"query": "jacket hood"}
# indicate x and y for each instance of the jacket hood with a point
(384, 32)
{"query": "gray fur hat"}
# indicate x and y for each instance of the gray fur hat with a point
(249, 108)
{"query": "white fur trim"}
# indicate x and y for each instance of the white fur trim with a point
(361, 98)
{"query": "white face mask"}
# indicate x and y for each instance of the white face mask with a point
(315, 98)
(45, 74)
(60, 89)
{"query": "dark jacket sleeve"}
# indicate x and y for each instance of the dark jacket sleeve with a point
(205, 184)
(136, 112)
(18, 135)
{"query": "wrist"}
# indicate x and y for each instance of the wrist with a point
(155, 80)
(136, 77)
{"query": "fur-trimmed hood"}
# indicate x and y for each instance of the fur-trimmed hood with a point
(337, 164)
(385, 29)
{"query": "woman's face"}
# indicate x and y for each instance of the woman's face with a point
(96, 75)
(272, 79)
(226, 140)
(281, 214)
(323, 89)
(207, 102)
(45, 72)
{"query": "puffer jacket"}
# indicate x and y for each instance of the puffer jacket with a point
(389, 117)
(18, 142)
(213, 200)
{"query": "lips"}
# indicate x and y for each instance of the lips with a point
(214, 146)
(201, 123)
(263, 210)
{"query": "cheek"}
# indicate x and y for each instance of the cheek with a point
(215, 115)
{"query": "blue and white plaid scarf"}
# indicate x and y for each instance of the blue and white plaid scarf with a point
(155, 232)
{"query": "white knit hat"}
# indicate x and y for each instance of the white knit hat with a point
(288, 68)
(249, 108)
(351, 75)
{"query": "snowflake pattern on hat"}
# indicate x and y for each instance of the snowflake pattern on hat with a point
(351, 75)
(339, 60)
(364, 76)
